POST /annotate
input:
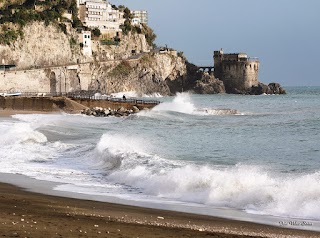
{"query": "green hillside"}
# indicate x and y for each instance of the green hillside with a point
(15, 14)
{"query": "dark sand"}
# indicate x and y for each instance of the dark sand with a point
(8, 113)
(28, 214)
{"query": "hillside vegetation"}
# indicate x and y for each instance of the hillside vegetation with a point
(15, 14)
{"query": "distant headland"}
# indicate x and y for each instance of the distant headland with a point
(73, 46)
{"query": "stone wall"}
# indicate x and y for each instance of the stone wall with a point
(48, 80)
(24, 103)
(239, 75)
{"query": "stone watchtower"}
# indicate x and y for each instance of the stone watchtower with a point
(237, 71)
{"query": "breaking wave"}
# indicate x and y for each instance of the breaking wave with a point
(182, 103)
(242, 187)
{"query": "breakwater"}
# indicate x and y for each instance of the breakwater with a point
(69, 105)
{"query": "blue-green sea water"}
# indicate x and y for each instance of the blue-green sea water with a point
(256, 154)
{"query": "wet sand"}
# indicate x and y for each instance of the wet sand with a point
(8, 113)
(29, 214)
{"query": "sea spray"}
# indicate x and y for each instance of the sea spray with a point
(181, 103)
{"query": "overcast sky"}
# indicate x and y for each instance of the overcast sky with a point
(284, 34)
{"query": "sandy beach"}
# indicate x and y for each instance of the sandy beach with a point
(28, 214)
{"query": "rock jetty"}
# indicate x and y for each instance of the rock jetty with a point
(106, 112)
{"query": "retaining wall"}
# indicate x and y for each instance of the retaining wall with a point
(54, 104)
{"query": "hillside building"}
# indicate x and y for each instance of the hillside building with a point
(100, 14)
(139, 16)
(85, 39)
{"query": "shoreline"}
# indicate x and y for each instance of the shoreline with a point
(9, 113)
(29, 213)
(38, 196)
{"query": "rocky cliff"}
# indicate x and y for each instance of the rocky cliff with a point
(146, 75)
(128, 66)
(129, 44)
(41, 46)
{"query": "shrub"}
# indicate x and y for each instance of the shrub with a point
(149, 34)
(72, 41)
(9, 36)
(63, 28)
(96, 32)
(126, 27)
(122, 69)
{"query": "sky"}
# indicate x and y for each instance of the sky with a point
(283, 34)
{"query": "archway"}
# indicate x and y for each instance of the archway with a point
(53, 83)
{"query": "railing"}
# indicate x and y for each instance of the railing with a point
(82, 96)
(113, 99)
(253, 59)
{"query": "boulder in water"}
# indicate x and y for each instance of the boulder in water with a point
(135, 109)
(272, 88)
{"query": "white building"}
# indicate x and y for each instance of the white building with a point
(139, 16)
(100, 14)
(85, 39)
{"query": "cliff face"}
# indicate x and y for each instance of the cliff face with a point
(46, 61)
(146, 75)
(128, 44)
(41, 46)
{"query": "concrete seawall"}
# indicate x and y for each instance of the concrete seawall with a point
(114, 105)
(28, 103)
(56, 104)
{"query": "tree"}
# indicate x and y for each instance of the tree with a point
(96, 32)
(127, 14)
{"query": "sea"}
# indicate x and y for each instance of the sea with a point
(237, 156)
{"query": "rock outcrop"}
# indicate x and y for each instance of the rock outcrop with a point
(272, 88)
(130, 44)
(152, 73)
(208, 84)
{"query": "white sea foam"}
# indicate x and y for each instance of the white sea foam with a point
(216, 112)
(242, 187)
(134, 94)
(21, 133)
(182, 103)
(153, 95)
